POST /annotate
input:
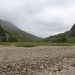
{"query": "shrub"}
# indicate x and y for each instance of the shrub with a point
(12, 39)
(25, 45)
(4, 39)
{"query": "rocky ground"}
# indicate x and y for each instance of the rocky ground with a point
(43, 60)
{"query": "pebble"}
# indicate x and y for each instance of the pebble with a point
(38, 68)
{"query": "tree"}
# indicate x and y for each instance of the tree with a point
(12, 39)
(73, 34)
(4, 39)
(62, 39)
(2, 33)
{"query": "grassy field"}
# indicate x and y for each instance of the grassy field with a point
(34, 44)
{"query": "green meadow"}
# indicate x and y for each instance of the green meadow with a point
(34, 44)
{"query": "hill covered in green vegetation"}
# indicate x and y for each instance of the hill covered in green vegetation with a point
(15, 32)
(68, 36)
(5, 36)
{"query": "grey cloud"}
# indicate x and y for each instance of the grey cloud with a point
(39, 17)
(61, 3)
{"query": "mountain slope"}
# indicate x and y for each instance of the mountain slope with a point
(68, 36)
(5, 36)
(17, 33)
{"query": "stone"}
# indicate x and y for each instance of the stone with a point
(60, 67)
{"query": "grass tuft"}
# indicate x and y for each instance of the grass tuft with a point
(25, 45)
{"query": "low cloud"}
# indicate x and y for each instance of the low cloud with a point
(39, 17)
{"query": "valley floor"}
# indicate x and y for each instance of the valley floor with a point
(42, 60)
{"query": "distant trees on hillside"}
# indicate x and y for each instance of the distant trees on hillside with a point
(12, 39)
(3, 37)
(56, 39)
(62, 39)
(72, 33)
(1, 31)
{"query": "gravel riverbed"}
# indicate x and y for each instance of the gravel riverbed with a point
(42, 60)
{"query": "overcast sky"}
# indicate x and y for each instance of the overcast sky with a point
(39, 17)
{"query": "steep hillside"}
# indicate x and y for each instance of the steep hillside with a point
(5, 36)
(18, 33)
(68, 36)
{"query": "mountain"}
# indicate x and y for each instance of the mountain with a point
(68, 36)
(15, 32)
